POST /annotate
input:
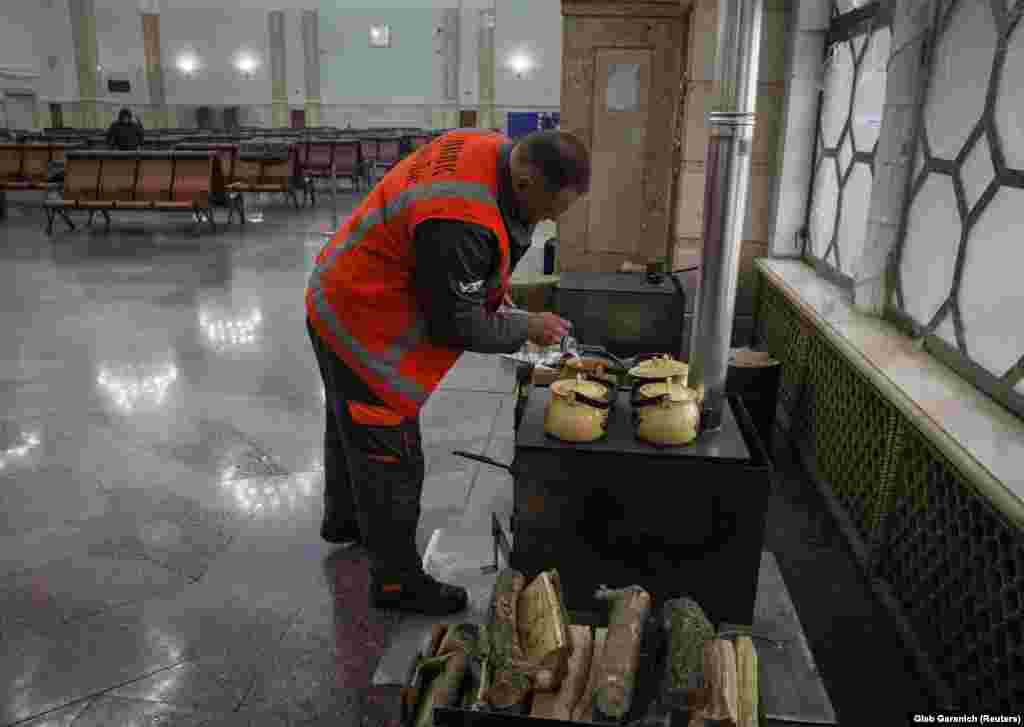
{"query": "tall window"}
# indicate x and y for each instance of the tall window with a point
(960, 253)
(849, 121)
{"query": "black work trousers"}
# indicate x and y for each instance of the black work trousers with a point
(372, 474)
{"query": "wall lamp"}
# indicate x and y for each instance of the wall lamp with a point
(380, 36)
(520, 64)
(246, 64)
(188, 64)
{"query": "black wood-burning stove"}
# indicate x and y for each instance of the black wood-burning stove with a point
(678, 521)
(630, 313)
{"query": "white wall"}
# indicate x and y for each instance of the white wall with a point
(122, 52)
(22, 21)
(407, 73)
(216, 35)
(19, 67)
(533, 27)
(33, 30)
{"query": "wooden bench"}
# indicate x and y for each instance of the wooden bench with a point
(101, 181)
(329, 159)
(261, 173)
(26, 167)
(415, 141)
(389, 153)
(226, 155)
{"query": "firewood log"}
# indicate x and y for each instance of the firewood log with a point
(559, 704)
(687, 629)
(461, 637)
(504, 621)
(544, 624)
(584, 709)
(424, 663)
(436, 635)
(425, 671)
(508, 688)
(720, 675)
(619, 662)
(543, 680)
(479, 703)
(444, 689)
(746, 671)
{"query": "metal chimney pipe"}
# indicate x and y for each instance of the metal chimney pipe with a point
(725, 200)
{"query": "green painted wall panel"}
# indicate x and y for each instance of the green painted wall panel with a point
(353, 72)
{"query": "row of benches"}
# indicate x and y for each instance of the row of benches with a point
(192, 178)
(27, 166)
(183, 181)
(315, 160)
(102, 181)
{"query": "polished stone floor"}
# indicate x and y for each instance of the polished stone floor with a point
(160, 479)
(160, 486)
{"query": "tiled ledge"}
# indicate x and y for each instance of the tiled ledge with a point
(983, 440)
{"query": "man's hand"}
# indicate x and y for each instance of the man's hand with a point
(508, 302)
(546, 329)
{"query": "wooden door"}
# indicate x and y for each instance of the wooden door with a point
(298, 119)
(467, 119)
(619, 149)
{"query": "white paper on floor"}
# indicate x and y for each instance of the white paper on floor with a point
(453, 556)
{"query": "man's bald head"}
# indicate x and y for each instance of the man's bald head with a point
(550, 171)
(560, 157)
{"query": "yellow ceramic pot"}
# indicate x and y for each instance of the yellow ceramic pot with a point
(578, 410)
(590, 367)
(661, 368)
(666, 414)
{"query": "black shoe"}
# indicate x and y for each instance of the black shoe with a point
(345, 534)
(418, 593)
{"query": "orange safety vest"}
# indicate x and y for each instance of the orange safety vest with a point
(361, 297)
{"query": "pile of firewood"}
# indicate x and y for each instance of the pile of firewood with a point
(711, 676)
(529, 660)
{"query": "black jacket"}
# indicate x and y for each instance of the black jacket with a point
(452, 257)
(125, 135)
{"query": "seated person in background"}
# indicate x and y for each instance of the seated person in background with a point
(125, 133)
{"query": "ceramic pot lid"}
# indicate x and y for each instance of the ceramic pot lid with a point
(588, 389)
(659, 368)
(675, 392)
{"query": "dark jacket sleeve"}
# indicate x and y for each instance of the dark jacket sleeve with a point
(454, 262)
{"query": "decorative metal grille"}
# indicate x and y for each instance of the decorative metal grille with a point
(951, 561)
(955, 267)
(957, 567)
(849, 122)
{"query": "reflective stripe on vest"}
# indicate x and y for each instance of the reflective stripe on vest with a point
(466, 190)
(386, 365)
(375, 416)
